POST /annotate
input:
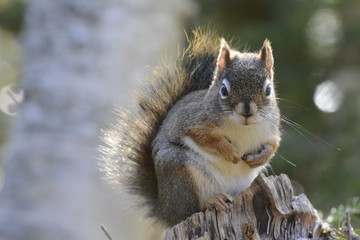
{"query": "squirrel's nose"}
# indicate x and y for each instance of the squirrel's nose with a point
(247, 109)
(247, 115)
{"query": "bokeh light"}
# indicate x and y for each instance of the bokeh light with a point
(10, 98)
(324, 30)
(328, 96)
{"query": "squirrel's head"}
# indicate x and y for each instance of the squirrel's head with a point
(243, 84)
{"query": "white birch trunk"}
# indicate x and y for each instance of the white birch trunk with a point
(81, 58)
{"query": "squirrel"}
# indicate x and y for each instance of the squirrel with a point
(200, 134)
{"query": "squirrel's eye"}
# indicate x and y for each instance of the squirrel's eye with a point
(268, 90)
(224, 90)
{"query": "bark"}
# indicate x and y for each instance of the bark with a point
(81, 59)
(266, 210)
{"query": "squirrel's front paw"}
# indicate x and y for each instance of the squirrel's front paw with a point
(260, 157)
(221, 202)
(234, 157)
(230, 154)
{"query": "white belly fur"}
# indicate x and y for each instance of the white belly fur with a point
(229, 177)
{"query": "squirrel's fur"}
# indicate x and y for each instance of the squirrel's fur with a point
(204, 128)
(127, 156)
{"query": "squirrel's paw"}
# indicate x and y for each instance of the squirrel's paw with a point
(233, 158)
(260, 157)
(230, 153)
(221, 202)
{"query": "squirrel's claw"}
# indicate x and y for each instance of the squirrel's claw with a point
(221, 202)
(233, 158)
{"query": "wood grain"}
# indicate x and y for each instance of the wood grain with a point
(266, 210)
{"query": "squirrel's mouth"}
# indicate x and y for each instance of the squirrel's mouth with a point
(248, 121)
(247, 112)
(245, 121)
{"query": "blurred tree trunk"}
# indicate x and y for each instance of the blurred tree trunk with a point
(82, 57)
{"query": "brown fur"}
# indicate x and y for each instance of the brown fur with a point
(208, 137)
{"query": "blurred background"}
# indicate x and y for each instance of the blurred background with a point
(317, 69)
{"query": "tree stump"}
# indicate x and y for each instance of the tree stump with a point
(266, 210)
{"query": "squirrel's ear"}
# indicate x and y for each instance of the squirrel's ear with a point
(266, 56)
(224, 55)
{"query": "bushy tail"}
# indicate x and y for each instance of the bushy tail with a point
(127, 158)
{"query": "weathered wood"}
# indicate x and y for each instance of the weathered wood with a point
(266, 210)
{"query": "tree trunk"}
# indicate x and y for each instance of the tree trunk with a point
(266, 210)
(81, 58)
